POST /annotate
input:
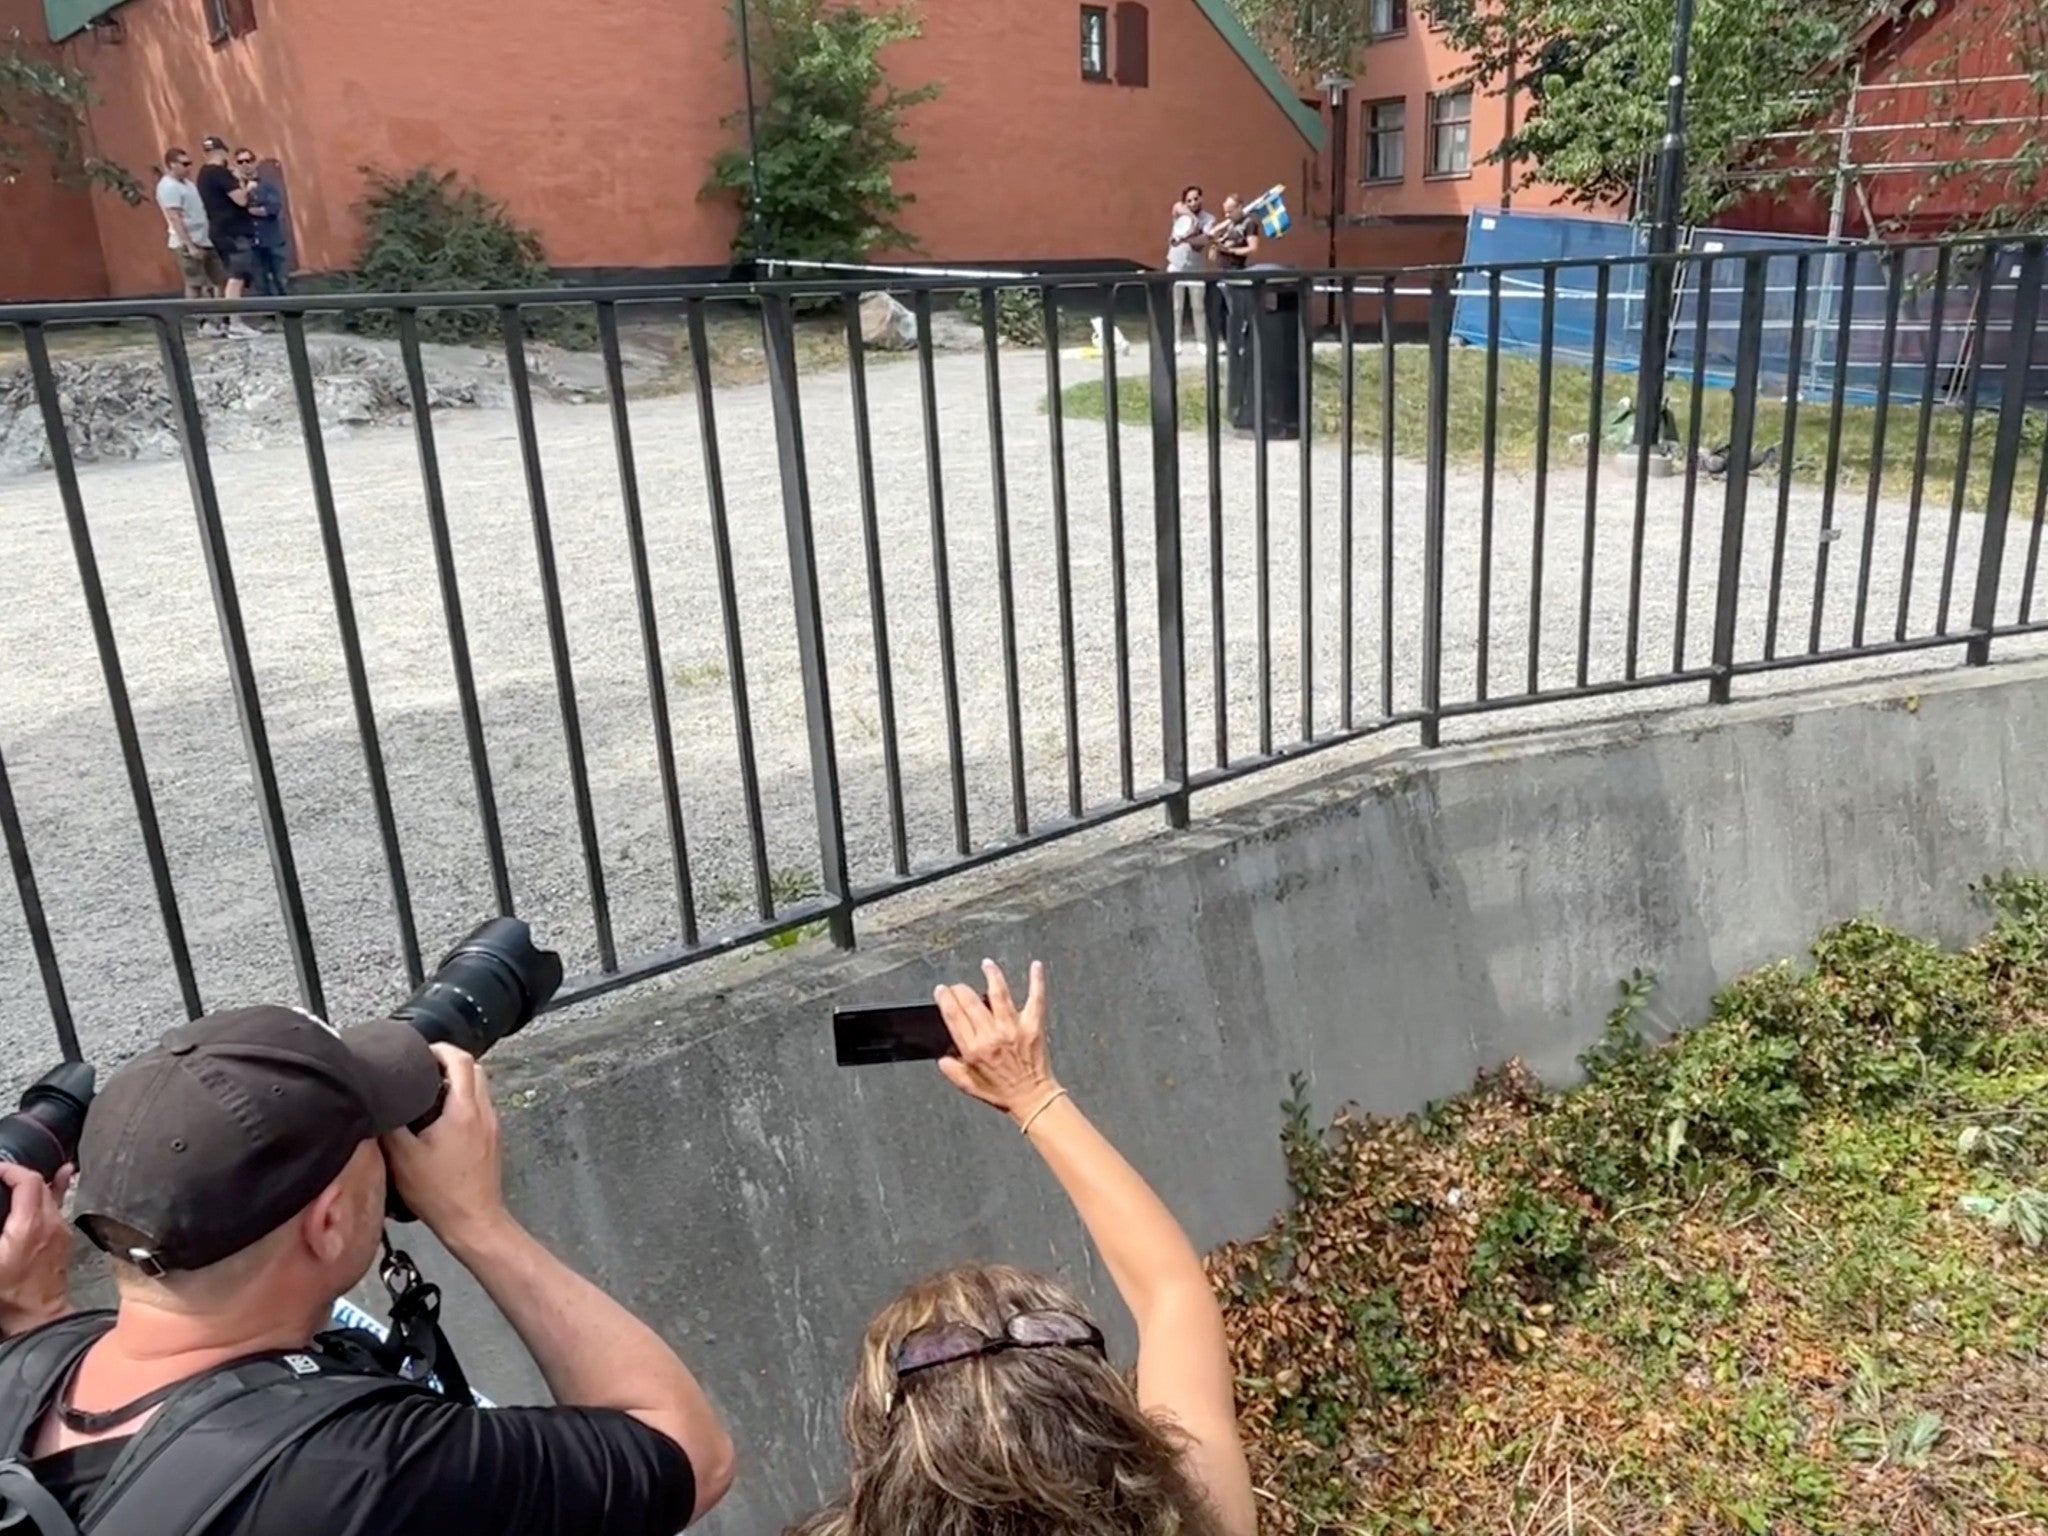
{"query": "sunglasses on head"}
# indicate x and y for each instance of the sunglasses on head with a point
(949, 1343)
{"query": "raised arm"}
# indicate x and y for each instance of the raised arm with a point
(1184, 1370)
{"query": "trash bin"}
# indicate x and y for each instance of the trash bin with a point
(1275, 308)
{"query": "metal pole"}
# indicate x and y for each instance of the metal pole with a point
(753, 143)
(1659, 280)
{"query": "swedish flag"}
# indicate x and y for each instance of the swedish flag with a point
(1270, 209)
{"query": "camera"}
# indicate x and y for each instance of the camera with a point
(43, 1133)
(488, 987)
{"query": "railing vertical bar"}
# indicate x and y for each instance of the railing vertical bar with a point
(1063, 558)
(1304, 305)
(1741, 440)
(1347, 406)
(1795, 355)
(2005, 451)
(1650, 437)
(1436, 474)
(1006, 595)
(1930, 383)
(38, 925)
(301, 366)
(1119, 593)
(942, 579)
(2034, 535)
(1490, 434)
(451, 605)
(1603, 284)
(227, 606)
(650, 631)
(1387, 296)
(1895, 290)
(1844, 329)
(878, 609)
(1703, 305)
(778, 334)
(1262, 515)
(729, 604)
(65, 469)
(1212, 419)
(1980, 324)
(1166, 538)
(512, 330)
(1546, 371)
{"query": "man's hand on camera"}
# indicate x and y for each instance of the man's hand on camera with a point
(35, 1250)
(449, 1173)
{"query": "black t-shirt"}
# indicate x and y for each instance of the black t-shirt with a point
(226, 220)
(422, 1466)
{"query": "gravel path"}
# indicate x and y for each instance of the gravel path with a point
(61, 751)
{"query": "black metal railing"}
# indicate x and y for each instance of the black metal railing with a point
(789, 626)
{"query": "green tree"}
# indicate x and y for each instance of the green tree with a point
(1310, 36)
(42, 107)
(829, 131)
(1591, 75)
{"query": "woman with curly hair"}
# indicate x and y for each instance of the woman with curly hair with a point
(986, 1404)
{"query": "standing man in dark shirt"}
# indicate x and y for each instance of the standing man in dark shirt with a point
(236, 1175)
(226, 196)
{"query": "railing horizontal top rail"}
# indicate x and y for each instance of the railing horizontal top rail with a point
(1367, 278)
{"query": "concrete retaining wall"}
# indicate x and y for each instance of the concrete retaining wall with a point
(1388, 930)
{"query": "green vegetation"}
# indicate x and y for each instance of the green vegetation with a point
(42, 111)
(828, 125)
(429, 231)
(1782, 1273)
(1516, 403)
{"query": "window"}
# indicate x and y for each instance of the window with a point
(1133, 43)
(1450, 133)
(1388, 17)
(227, 19)
(1094, 43)
(1386, 141)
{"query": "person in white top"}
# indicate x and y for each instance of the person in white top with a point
(199, 264)
(1187, 251)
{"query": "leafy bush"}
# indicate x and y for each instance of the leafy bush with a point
(1418, 1250)
(827, 130)
(1020, 315)
(428, 231)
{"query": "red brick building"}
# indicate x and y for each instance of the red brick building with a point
(1062, 132)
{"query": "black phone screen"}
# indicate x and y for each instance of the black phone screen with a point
(902, 1032)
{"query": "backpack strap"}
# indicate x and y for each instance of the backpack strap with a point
(31, 1365)
(23, 1498)
(213, 1439)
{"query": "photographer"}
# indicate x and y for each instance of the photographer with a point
(236, 1176)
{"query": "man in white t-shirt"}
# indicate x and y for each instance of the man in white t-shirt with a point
(184, 211)
(1187, 251)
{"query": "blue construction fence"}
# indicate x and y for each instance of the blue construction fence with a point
(1958, 320)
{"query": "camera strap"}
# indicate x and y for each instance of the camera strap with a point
(418, 1349)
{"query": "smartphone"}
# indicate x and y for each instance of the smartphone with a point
(902, 1032)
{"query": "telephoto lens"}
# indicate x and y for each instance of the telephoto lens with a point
(43, 1134)
(490, 986)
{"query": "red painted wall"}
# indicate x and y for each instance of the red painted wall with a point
(597, 125)
(1020, 157)
(1965, 45)
(49, 244)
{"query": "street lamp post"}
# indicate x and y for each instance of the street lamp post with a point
(753, 144)
(1662, 275)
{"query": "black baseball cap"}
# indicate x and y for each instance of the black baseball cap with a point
(233, 1123)
(213, 141)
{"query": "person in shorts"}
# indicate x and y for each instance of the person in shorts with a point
(229, 224)
(191, 239)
